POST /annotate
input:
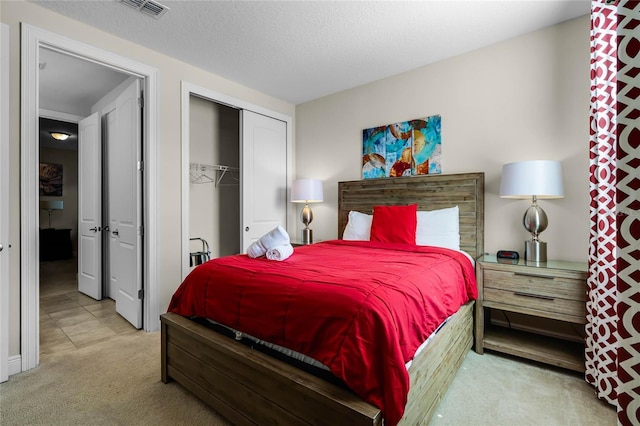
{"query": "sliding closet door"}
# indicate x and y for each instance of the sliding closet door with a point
(263, 149)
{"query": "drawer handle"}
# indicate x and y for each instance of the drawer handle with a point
(522, 274)
(536, 296)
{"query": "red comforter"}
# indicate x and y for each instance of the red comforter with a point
(360, 308)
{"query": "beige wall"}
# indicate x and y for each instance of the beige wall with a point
(171, 73)
(523, 99)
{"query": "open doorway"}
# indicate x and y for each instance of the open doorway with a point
(71, 89)
(32, 40)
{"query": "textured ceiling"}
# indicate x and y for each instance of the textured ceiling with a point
(302, 50)
(72, 85)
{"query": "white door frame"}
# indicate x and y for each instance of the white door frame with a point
(188, 89)
(32, 39)
(5, 236)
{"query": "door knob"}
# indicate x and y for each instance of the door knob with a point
(115, 232)
(95, 229)
(1, 247)
(105, 228)
(246, 229)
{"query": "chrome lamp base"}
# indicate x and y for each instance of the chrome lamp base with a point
(307, 236)
(535, 251)
(307, 217)
(535, 221)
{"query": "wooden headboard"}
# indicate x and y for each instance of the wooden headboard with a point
(430, 192)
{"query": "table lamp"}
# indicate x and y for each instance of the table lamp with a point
(306, 191)
(537, 179)
(50, 206)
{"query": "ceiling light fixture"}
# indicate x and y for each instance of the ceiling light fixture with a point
(59, 136)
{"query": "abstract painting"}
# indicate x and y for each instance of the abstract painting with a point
(402, 149)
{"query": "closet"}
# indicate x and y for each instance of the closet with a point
(214, 177)
(237, 165)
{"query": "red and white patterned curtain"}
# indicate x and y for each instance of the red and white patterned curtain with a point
(613, 305)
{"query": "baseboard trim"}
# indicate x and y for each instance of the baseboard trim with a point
(15, 365)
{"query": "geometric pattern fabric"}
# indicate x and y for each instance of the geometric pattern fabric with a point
(628, 211)
(601, 340)
(613, 307)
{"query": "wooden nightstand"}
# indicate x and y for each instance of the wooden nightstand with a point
(554, 290)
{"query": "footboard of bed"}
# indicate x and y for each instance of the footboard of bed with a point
(434, 369)
(249, 387)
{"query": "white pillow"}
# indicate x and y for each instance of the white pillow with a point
(439, 228)
(358, 227)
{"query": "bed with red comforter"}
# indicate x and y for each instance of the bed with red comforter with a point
(360, 308)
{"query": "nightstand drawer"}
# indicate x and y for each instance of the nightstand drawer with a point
(545, 286)
(536, 304)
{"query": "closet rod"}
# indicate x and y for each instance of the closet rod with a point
(198, 172)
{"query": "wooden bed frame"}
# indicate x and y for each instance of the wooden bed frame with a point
(249, 387)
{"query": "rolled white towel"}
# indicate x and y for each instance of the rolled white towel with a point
(280, 252)
(271, 239)
(256, 249)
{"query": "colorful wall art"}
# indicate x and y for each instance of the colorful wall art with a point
(402, 149)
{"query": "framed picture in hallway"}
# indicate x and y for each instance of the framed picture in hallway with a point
(51, 179)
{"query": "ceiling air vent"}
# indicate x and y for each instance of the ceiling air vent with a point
(147, 7)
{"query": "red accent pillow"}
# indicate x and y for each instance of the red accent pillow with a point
(394, 224)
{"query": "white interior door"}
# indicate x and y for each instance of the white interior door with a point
(125, 205)
(4, 203)
(263, 175)
(90, 207)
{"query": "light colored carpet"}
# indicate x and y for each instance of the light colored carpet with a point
(118, 383)
(491, 389)
(112, 383)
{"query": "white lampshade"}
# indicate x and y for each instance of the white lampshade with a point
(539, 178)
(306, 191)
